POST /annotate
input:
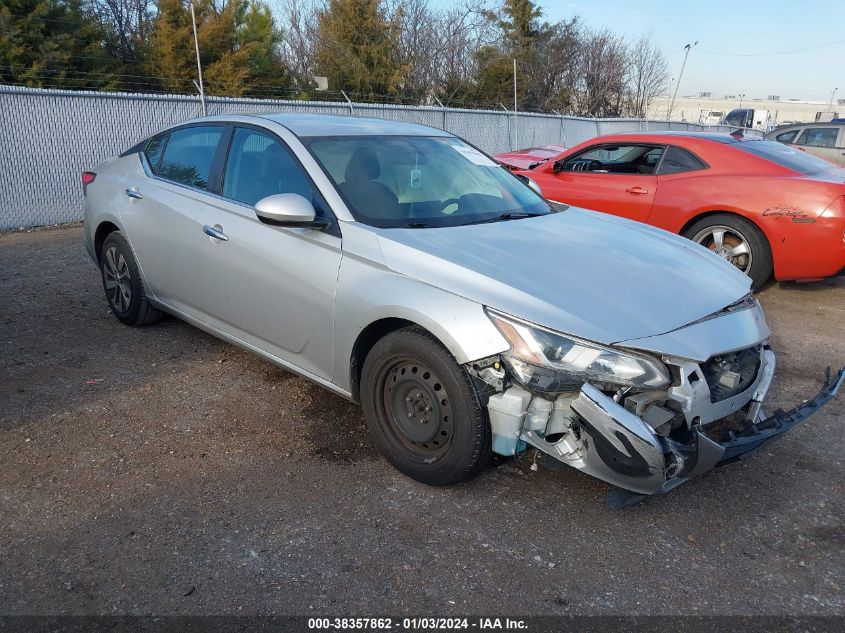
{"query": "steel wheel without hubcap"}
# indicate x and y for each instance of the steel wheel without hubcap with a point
(117, 280)
(728, 243)
(416, 407)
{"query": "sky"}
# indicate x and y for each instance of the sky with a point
(729, 33)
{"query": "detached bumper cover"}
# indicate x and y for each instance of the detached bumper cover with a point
(782, 421)
(619, 447)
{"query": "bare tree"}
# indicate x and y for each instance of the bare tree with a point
(298, 21)
(458, 64)
(648, 74)
(552, 73)
(603, 73)
(126, 23)
(436, 46)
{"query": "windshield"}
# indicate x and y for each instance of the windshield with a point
(421, 181)
(785, 156)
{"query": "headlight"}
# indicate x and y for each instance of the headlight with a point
(551, 362)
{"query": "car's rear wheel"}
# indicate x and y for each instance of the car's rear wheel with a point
(736, 240)
(122, 283)
(423, 410)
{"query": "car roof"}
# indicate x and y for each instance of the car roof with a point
(664, 137)
(307, 124)
(834, 123)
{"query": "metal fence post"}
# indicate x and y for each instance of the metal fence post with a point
(444, 113)
(510, 137)
(348, 101)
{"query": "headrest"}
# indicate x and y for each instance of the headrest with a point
(363, 165)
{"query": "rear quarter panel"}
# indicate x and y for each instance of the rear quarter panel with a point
(104, 197)
(787, 210)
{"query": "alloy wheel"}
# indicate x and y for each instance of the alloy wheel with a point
(117, 279)
(727, 243)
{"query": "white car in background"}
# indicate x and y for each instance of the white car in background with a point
(825, 140)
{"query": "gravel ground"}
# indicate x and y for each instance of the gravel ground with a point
(158, 470)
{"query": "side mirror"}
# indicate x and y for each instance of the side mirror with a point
(287, 209)
(557, 167)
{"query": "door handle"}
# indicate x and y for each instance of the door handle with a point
(637, 190)
(217, 234)
(133, 193)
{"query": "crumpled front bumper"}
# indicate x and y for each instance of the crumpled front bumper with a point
(619, 447)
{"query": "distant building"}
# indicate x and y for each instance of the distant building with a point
(695, 108)
(705, 95)
(840, 102)
(773, 98)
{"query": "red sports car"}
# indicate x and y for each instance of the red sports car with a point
(763, 206)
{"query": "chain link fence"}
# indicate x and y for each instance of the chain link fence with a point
(48, 137)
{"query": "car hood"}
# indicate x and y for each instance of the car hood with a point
(525, 159)
(585, 273)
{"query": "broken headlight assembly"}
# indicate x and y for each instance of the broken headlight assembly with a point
(550, 362)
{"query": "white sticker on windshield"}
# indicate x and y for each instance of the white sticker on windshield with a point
(472, 154)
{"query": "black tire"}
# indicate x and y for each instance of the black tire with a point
(760, 268)
(126, 297)
(405, 372)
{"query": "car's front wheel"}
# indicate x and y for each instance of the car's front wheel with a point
(738, 241)
(423, 410)
(122, 283)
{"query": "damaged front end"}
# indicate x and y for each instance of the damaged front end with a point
(638, 421)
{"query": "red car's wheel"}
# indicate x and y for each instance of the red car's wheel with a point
(738, 241)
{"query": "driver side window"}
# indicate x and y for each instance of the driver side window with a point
(615, 159)
(258, 166)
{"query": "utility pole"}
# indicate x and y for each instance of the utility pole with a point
(832, 95)
(687, 49)
(741, 97)
(515, 120)
(199, 65)
(668, 111)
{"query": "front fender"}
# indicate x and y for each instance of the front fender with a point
(368, 292)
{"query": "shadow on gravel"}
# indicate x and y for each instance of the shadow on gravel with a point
(336, 428)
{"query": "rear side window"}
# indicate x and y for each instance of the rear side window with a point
(785, 156)
(677, 160)
(818, 137)
(153, 151)
(188, 155)
(259, 166)
(787, 137)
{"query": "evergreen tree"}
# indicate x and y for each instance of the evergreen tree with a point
(53, 43)
(238, 47)
(356, 47)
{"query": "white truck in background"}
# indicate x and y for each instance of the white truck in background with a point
(750, 118)
(710, 117)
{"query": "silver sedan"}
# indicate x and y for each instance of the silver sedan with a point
(402, 268)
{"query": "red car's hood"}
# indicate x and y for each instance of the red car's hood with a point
(526, 158)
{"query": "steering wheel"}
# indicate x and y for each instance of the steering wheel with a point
(594, 165)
